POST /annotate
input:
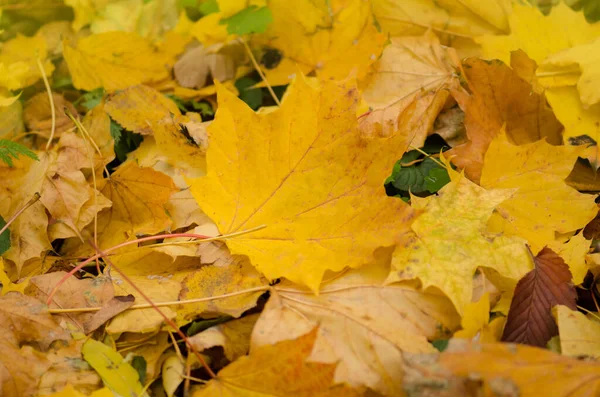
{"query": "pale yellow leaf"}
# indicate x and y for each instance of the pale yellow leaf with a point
(579, 335)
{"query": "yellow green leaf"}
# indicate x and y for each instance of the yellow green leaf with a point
(116, 373)
(320, 172)
(449, 241)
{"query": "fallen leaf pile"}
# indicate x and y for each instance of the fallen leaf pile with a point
(299, 198)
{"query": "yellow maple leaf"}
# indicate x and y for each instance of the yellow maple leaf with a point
(140, 108)
(578, 333)
(306, 173)
(7, 284)
(543, 204)
(18, 62)
(408, 86)
(457, 17)
(364, 324)
(449, 241)
(275, 370)
(475, 318)
(220, 280)
(138, 196)
(331, 39)
(116, 60)
(539, 35)
(573, 253)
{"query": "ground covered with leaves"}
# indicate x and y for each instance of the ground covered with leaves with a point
(299, 198)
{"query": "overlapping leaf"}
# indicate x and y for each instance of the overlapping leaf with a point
(303, 177)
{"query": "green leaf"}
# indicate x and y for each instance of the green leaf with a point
(209, 7)
(204, 108)
(249, 20)
(440, 344)
(91, 99)
(62, 82)
(252, 96)
(139, 364)
(10, 150)
(412, 178)
(116, 131)
(178, 101)
(437, 179)
(4, 237)
(202, 325)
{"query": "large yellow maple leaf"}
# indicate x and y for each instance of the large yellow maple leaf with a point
(543, 204)
(306, 173)
(449, 241)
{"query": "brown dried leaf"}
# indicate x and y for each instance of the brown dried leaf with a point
(38, 115)
(530, 318)
(409, 87)
(71, 294)
(116, 305)
(498, 96)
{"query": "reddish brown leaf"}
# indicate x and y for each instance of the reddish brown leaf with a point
(530, 320)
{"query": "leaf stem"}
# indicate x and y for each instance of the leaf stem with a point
(164, 316)
(31, 202)
(51, 99)
(162, 304)
(202, 237)
(260, 72)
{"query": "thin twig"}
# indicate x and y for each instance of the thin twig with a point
(31, 202)
(51, 99)
(203, 238)
(162, 304)
(260, 72)
(164, 316)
